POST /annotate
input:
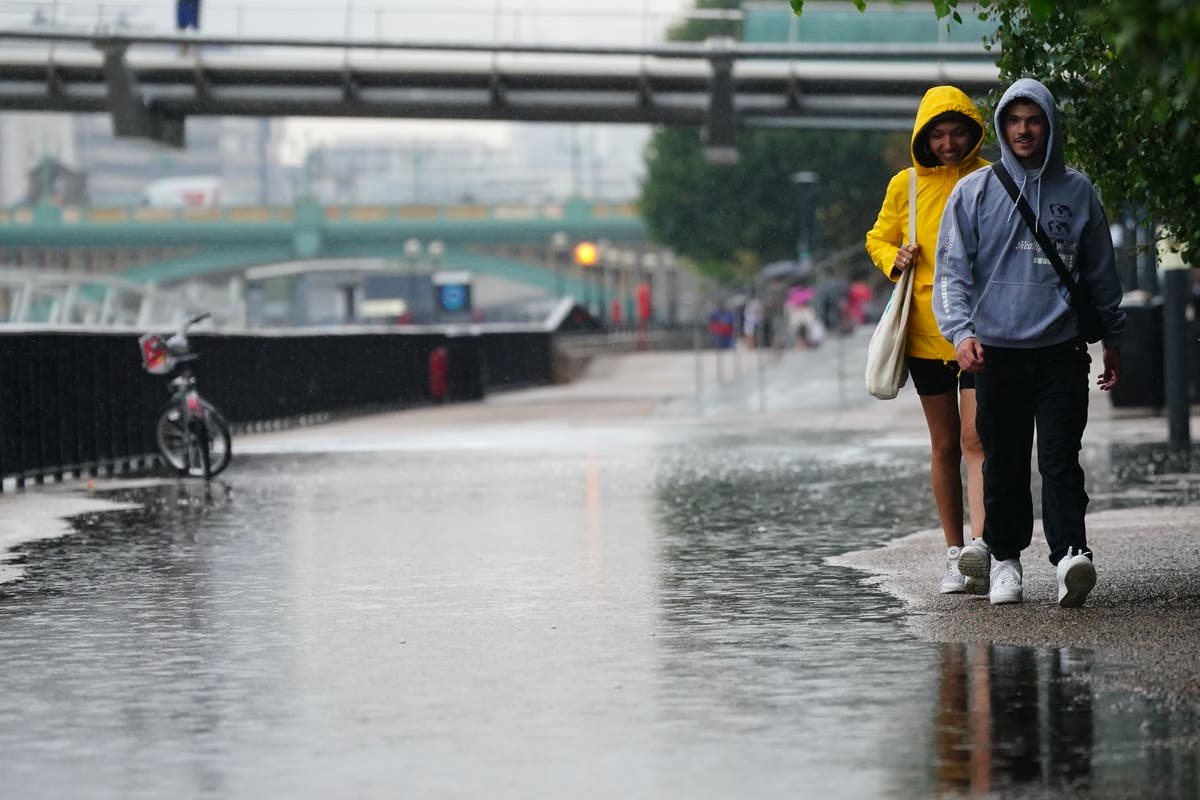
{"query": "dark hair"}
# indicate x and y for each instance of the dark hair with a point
(921, 149)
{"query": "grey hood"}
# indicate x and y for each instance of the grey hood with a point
(1055, 163)
(991, 280)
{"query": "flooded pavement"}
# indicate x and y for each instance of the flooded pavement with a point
(644, 607)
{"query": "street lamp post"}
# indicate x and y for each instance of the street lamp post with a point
(436, 250)
(586, 255)
(558, 257)
(804, 243)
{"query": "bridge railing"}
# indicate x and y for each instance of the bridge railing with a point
(334, 214)
(76, 403)
(628, 21)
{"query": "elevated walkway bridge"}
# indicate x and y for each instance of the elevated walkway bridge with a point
(150, 88)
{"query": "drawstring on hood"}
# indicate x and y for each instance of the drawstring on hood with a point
(1053, 164)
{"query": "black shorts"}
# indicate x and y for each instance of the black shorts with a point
(932, 376)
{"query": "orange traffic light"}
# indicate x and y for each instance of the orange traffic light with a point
(585, 254)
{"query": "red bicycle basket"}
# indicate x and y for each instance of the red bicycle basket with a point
(156, 358)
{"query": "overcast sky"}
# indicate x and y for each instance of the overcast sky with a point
(612, 21)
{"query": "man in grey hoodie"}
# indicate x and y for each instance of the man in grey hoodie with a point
(999, 301)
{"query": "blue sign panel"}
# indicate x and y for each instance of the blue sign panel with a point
(454, 296)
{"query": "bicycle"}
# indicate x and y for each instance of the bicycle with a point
(191, 434)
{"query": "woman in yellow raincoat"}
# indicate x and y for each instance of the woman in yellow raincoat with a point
(946, 140)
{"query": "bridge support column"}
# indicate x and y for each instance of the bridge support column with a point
(720, 127)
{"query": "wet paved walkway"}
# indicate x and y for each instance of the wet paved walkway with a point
(622, 587)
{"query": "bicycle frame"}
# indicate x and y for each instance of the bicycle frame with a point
(189, 426)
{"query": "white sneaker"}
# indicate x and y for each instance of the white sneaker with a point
(975, 560)
(1006, 582)
(952, 579)
(1076, 577)
(977, 587)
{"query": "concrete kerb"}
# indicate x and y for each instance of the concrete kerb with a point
(1139, 621)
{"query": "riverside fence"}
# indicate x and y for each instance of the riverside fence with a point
(79, 403)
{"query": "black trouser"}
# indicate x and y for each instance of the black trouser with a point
(1017, 390)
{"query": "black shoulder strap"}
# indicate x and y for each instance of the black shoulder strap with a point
(1042, 239)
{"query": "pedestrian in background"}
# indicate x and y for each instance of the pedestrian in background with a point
(1001, 303)
(946, 138)
(187, 18)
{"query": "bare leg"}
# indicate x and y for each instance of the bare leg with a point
(941, 415)
(972, 450)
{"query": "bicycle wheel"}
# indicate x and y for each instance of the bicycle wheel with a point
(202, 451)
(174, 439)
(220, 448)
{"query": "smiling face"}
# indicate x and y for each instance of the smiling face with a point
(1026, 131)
(950, 142)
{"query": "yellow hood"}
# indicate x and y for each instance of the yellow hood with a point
(936, 101)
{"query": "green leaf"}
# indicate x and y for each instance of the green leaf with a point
(798, 7)
(1040, 10)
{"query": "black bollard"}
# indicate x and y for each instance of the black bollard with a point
(1176, 286)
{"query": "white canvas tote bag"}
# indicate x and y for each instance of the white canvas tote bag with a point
(886, 367)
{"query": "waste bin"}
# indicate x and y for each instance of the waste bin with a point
(1142, 381)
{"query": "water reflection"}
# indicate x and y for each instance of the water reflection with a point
(760, 638)
(1147, 474)
(1001, 724)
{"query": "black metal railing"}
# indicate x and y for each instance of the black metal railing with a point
(79, 402)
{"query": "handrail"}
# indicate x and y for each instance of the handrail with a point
(713, 48)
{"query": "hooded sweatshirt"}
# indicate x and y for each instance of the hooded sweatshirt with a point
(934, 182)
(992, 280)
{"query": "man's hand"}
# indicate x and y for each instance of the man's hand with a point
(970, 355)
(1112, 370)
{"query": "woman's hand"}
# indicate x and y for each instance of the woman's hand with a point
(906, 256)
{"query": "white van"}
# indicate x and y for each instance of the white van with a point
(193, 191)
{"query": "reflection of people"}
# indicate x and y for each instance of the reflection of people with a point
(946, 139)
(1002, 305)
(990, 719)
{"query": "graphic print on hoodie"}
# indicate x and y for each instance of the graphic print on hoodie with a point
(992, 280)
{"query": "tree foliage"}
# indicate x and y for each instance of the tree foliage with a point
(698, 28)
(1127, 75)
(731, 220)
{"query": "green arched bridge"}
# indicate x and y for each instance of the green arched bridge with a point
(166, 246)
